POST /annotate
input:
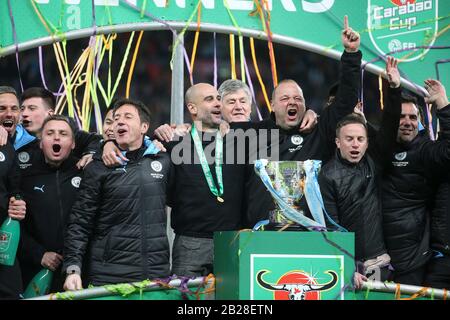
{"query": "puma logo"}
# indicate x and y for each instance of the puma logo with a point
(41, 189)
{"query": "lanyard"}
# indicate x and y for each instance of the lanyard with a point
(204, 163)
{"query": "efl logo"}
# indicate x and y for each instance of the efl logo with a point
(402, 26)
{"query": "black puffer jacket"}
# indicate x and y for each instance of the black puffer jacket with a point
(49, 193)
(10, 278)
(351, 196)
(409, 186)
(352, 193)
(440, 217)
(119, 218)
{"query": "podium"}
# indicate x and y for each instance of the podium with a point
(289, 265)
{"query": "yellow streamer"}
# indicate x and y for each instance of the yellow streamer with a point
(197, 33)
(232, 57)
(242, 56)
(133, 62)
(61, 58)
(75, 74)
(258, 74)
(241, 40)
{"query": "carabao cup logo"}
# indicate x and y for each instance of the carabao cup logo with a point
(296, 276)
(402, 25)
(297, 285)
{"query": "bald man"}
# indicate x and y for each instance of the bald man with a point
(209, 189)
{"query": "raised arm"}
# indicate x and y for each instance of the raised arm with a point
(347, 95)
(436, 154)
(382, 148)
(350, 74)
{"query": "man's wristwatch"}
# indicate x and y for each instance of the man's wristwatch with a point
(73, 270)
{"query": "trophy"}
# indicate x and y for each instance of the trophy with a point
(295, 190)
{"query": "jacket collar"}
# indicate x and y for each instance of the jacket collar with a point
(151, 148)
(67, 164)
(348, 163)
(22, 137)
(148, 148)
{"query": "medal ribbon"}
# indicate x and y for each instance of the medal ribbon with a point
(218, 162)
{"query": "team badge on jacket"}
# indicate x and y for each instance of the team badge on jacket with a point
(400, 156)
(156, 166)
(297, 140)
(76, 182)
(24, 157)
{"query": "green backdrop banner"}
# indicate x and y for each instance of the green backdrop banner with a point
(385, 25)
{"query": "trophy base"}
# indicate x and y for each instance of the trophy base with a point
(274, 226)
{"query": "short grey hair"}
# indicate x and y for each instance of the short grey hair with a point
(8, 89)
(231, 86)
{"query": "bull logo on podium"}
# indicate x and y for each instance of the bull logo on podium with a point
(297, 285)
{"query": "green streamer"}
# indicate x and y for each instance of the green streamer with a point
(177, 42)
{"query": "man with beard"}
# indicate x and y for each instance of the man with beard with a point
(50, 188)
(438, 268)
(409, 187)
(208, 193)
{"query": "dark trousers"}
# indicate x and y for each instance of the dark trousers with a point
(438, 273)
(192, 256)
(10, 281)
(414, 277)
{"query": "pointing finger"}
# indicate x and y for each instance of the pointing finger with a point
(345, 22)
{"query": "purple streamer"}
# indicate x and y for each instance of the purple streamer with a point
(78, 121)
(334, 244)
(41, 68)
(149, 15)
(186, 59)
(16, 43)
(94, 24)
(250, 85)
(183, 288)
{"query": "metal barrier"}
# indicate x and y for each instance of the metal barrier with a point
(133, 288)
(207, 285)
(404, 289)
